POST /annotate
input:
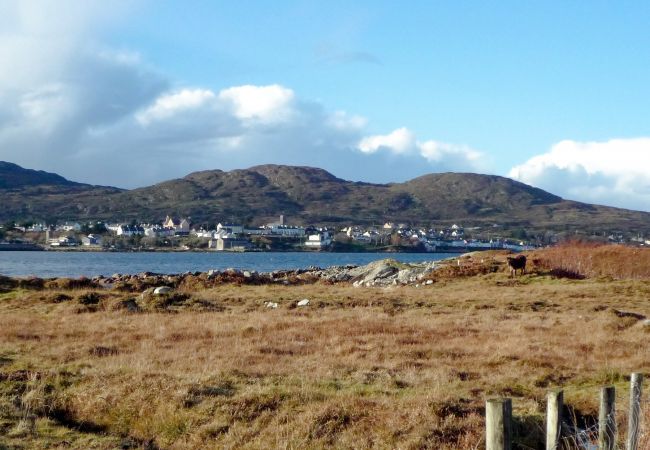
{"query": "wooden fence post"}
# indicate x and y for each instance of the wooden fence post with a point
(636, 381)
(554, 405)
(498, 424)
(607, 419)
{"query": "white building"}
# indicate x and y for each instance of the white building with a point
(128, 230)
(112, 227)
(285, 230)
(64, 241)
(231, 228)
(319, 240)
(92, 240)
(158, 231)
(37, 227)
(180, 226)
(70, 226)
(230, 243)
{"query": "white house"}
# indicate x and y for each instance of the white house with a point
(128, 230)
(112, 227)
(231, 228)
(319, 240)
(212, 234)
(64, 241)
(285, 230)
(158, 231)
(91, 240)
(70, 226)
(180, 226)
(230, 243)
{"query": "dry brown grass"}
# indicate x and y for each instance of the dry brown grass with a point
(402, 367)
(586, 260)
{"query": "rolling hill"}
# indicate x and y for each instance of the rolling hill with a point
(309, 195)
(27, 194)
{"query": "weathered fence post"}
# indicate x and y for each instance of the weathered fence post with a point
(554, 405)
(607, 419)
(498, 424)
(633, 424)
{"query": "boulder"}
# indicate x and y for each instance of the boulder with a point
(375, 271)
(161, 290)
(406, 276)
(303, 302)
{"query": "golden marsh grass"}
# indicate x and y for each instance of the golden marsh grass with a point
(372, 368)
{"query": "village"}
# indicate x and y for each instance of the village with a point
(179, 234)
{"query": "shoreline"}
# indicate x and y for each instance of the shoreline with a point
(75, 264)
(386, 271)
(38, 247)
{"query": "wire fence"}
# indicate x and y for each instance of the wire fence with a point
(576, 438)
(619, 426)
(586, 437)
(623, 422)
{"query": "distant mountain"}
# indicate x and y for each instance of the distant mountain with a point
(27, 194)
(12, 176)
(307, 195)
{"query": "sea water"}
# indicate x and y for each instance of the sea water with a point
(89, 264)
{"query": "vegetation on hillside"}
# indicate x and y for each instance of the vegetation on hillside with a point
(313, 196)
(590, 260)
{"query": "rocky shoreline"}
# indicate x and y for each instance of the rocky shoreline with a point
(386, 272)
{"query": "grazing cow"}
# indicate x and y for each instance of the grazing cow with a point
(516, 263)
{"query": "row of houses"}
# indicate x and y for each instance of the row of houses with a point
(90, 240)
(226, 236)
(229, 236)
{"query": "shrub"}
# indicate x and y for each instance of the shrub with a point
(89, 298)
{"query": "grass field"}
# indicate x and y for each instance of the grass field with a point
(401, 367)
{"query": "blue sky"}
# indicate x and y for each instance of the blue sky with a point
(501, 76)
(552, 93)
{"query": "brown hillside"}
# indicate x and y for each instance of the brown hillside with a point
(314, 196)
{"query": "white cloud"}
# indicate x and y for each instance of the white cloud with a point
(436, 155)
(99, 115)
(347, 122)
(265, 103)
(401, 140)
(168, 105)
(435, 151)
(613, 172)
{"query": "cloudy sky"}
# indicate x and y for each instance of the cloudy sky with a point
(554, 94)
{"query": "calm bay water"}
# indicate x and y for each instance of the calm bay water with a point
(75, 264)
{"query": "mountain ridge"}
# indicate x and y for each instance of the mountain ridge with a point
(13, 176)
(310, 195)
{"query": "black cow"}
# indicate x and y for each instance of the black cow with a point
(516, 263)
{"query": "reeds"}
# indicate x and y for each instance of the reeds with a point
(579, 260)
